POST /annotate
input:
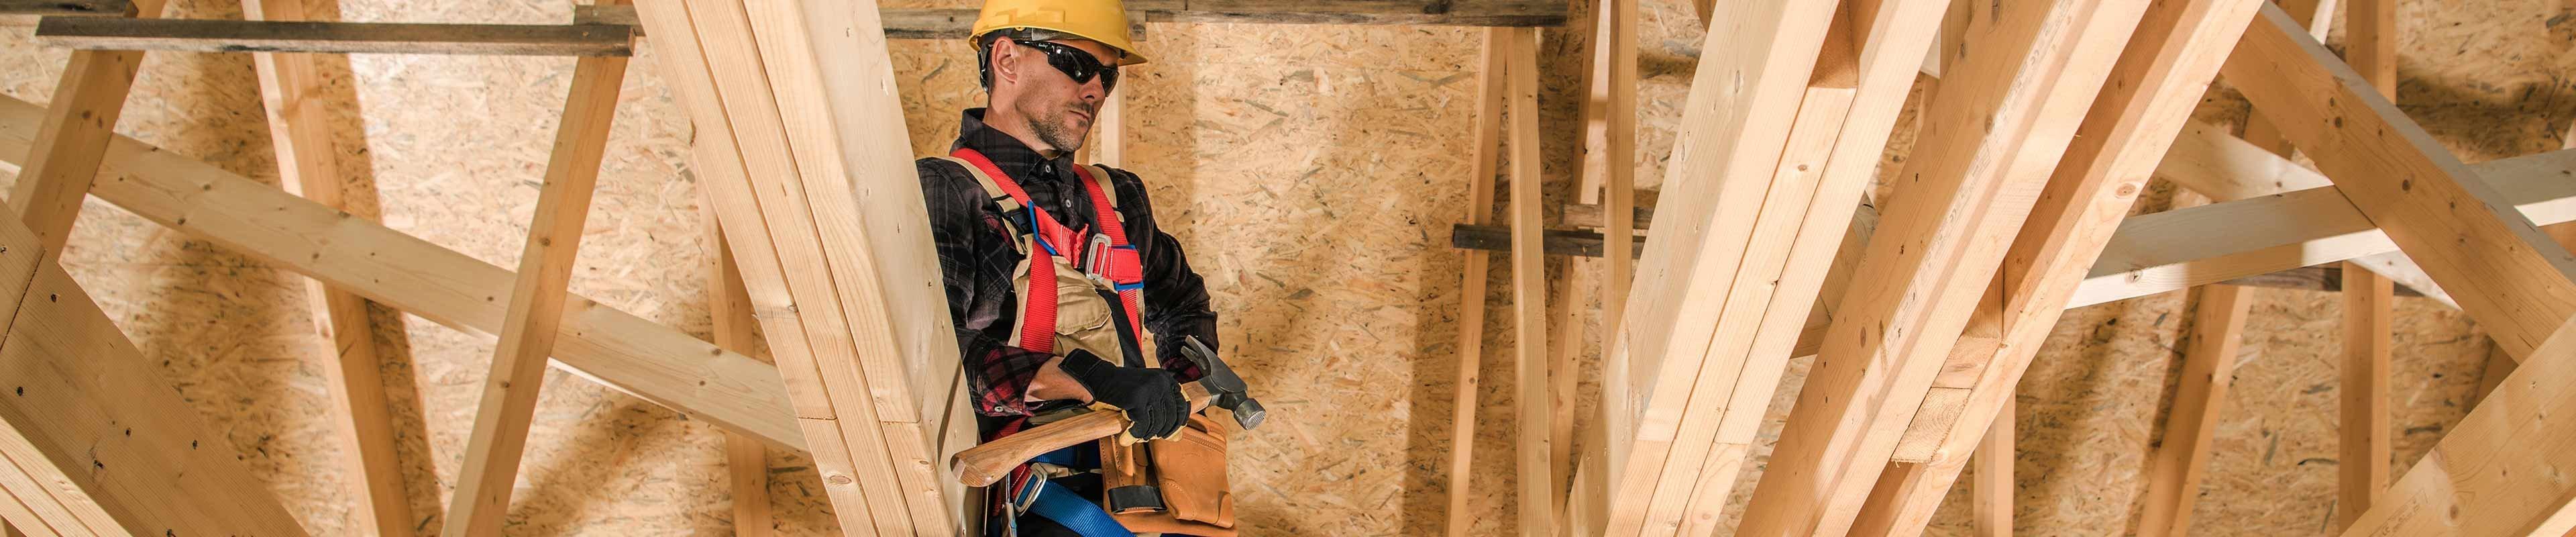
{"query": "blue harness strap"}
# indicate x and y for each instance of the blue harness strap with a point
(1062, 505)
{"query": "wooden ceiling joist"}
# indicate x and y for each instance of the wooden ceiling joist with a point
(615, 348)
(99, 443)
(2148, 95)
(1994, 132)
(2506, 274)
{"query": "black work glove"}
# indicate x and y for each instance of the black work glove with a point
(1151, 399)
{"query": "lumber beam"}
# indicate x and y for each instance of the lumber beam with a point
(2213, 243)
(72, 139)
(730, 312)
(1992, 512)
(2485, 477)
(203, 35)
(100, 443)
(615, 348)
(732, 122)
(1999, 125)
(528, 333)
(2206, 160)
(2507, 276)
(2371, 46)
(937, 23)
(1608, 181)
(292, 91)
(2180, 459)
(2145, 97)
(1497, 44)
(1537, 490)
(1686, 409)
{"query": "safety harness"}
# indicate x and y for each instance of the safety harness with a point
(1108, 262)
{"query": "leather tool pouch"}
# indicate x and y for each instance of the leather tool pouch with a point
(1189, 472)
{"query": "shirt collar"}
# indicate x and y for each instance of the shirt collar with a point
(1023, 164)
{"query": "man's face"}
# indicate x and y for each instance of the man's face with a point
(1060, 111)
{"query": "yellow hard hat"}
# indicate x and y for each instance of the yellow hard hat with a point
(1104, 21)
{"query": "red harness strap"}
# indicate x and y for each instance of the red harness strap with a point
(1116, 260)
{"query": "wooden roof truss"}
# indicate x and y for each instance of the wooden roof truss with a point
(1923, 312)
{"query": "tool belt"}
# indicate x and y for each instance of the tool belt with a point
(1170, 486)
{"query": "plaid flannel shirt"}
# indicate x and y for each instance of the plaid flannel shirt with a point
(977, 255)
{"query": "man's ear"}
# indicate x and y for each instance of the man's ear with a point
(1006, 65)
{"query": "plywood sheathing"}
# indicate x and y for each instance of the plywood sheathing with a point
(1309, 170)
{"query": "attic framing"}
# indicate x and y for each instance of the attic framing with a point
(1922, 313)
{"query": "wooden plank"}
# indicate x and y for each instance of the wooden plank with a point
(2179, 461)
(509, 401)
(1608, 177)
(2207, 160)
(2504, 272)
(730, 312)
(72, 139)
(2484, 477)
(1497, 45)
(1705, 398)
(938, 23)
(617, 349)
(1992, 512)
(1998, 127)
(27, 12)
(2178, 249)
(2362, 471)
(1589, 215)
(29, 477)
(2150, 91)
(795, 281)
(1537, 490)
(205, 35)
(105, 436)
(828, 61)
(293, 92)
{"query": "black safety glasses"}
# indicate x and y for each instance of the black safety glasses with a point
(1076, 64)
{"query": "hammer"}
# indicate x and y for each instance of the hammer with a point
(984, 464)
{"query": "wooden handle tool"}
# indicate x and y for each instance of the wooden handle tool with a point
(984, 464)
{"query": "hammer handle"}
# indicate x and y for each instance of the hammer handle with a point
(984, 464)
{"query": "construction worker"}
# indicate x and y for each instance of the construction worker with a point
(1053, 267)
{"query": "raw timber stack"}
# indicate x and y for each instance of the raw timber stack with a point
(1923, 288)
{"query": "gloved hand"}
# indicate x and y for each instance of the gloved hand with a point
(1152, 401)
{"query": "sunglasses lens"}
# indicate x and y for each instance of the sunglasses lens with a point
(1078, 65)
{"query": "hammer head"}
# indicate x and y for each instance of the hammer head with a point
(1221, 383)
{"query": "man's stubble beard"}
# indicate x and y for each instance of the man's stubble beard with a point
(1051, 128)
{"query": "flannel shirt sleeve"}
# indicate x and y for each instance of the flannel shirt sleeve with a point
(1176, 299)
(975, 262)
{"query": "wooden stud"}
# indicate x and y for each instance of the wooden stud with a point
(1537, 488)
(1992, 511)
(743, 140)
(1882, 353)
(730, 310)
(2371, 44)
(2172, 250)
(615, 348)
(2506, 275)
(2148, 96)
(72, 139)
(828, 61)
(509, 401)
(2175, 468)
(203, 35)
(291, 89)
(1471, 291)
(2485, 477)
(92, 429)
(1681, 404)
(1608, 177)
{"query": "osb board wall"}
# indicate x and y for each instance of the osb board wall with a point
(1311, 171)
